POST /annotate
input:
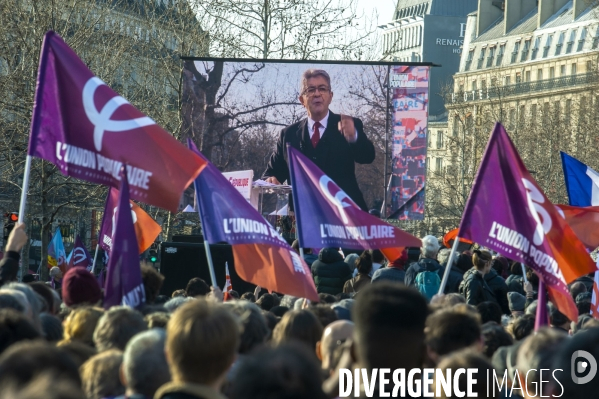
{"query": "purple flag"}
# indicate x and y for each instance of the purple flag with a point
(123, 278)
(327, 217)
(262, 256)
(80, 125)
(508, 212)
(79, 256)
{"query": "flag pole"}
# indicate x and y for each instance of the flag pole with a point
(25, 188)
(95, 257)
(524, 272)
(206, 243)
(541, 316)
(454, 248)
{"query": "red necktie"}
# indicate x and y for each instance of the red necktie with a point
(316, 135)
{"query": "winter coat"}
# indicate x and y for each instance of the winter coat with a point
(475, 289)
(310, 258)
(9, 267)
(515, 283)
(330, 272)
(424, 264)
(499, 288)
(456, 275)
(354, 285)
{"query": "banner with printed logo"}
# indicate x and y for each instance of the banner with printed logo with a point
(262, 256)
(56, 254)
(409, 116)
(79, 256)
(242, 181)
(327, 217)
(87, 130)
(509, 213)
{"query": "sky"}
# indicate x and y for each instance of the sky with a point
(384, 9)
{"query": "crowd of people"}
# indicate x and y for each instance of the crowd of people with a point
(57, 341)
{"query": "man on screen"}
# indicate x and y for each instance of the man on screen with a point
(333, 142)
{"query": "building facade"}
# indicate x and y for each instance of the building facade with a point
(533, 66)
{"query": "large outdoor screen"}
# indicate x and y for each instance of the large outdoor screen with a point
(225, 99)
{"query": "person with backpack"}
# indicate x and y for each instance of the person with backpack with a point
(426, 274)
(474, 287)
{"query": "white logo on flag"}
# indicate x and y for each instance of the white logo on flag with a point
(101, 120)
(133, 215)
(540, 214)
(336, 199)
(79, 255)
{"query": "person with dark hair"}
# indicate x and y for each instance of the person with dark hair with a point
(196, 287)
(157, 320)
(497, 284)
(279, 310)
(489, 311)
(266, 302)
(51, 327)
(116, 327)
(152, 281)
(494, 337)
(28, 278)
(333, 142)
(557, 319)
(522, 326)
(24, 361)
(324, 313)
(474, 287)
(577, 288)
(255, 331)
(587, 341)
(15, 327)
(45, 292)
(395, 271)
(248, 296)
(363, 272)
(289, 371)
(178, 293)
(300, 326)
(501, 265)
(456, 274)
(309, 257)
(326, 298)
(389, 327)
(449, 330)
(201, 345)
(8, 301)
(330, 272)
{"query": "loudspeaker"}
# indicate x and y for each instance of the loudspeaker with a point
(182, 261)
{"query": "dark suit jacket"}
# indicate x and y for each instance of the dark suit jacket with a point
(333, 154)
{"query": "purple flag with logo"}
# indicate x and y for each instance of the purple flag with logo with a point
(123, 277)
(508, 212)
(327, 217)
(79, 256)
(262, 256)
(86, 129)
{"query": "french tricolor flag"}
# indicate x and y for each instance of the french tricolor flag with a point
(582, 182)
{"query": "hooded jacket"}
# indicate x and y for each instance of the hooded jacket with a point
(499, 288)
(330, 272)
(456, 275)
(475, 289)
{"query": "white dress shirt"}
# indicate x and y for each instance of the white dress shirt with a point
(323, 124)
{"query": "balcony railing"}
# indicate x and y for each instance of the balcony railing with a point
(525, 87)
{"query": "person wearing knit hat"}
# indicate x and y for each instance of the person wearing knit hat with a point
(80, 287)
(516, 302)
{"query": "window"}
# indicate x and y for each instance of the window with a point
(493, 82)
(545, 112)
(439, 166)
(474, 85)
(491, 56)
(525, 50)
(518, 78)
(500, 54)
(562, 70)
(461, 87)
(481, 58)
(573, 69)
(533, 113)
(521, 115)
(596, 39)
(469, 59)
(583, 36)
(571, 41)
(439, 139)
(456, 125)
(560, 43)
(507, 80)
(589, 66)
(536, 47)
(515, 52)
(512, 118)
(551, 72)
(547, 45)
(539, 74)
(527, 76)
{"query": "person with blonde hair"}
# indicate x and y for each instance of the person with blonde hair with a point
(81, 323)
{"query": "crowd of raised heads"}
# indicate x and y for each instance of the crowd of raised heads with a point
(201, 343)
